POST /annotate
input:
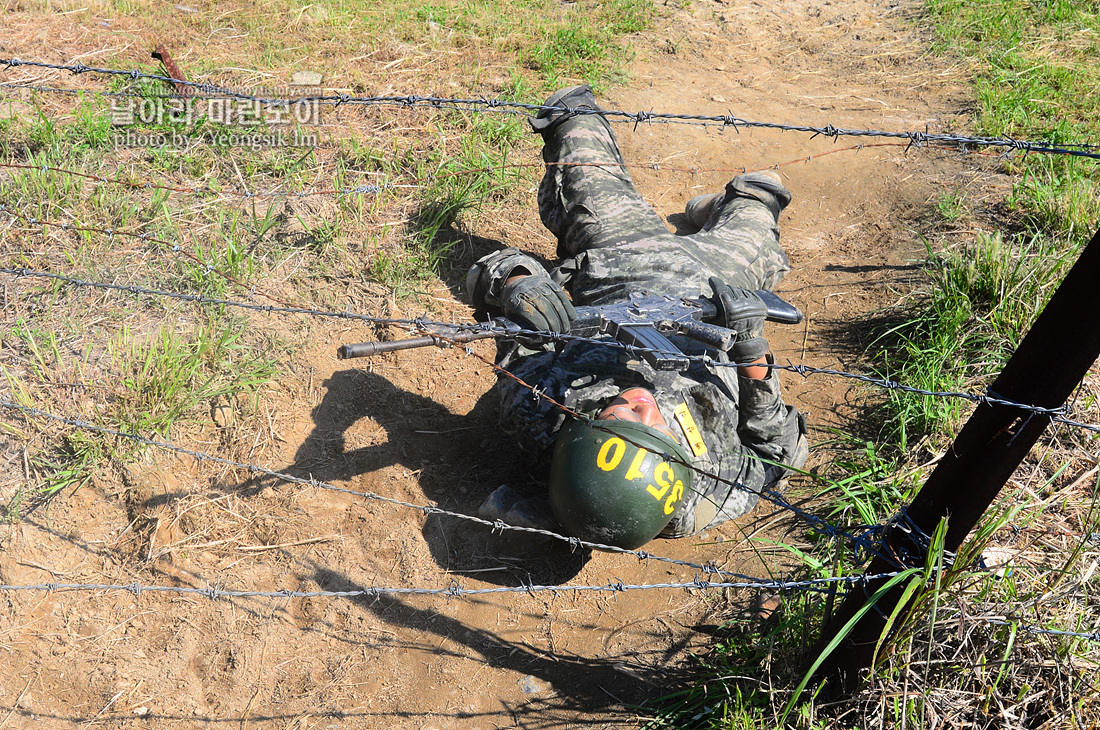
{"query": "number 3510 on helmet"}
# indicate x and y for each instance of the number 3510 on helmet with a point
(617, 482)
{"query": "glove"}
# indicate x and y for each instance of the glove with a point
(539, 303)
(743, 312)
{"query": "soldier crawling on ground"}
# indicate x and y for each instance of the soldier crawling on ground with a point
(676, 452)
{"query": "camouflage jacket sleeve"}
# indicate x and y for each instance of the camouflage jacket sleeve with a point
(767, 435)
(582, 377)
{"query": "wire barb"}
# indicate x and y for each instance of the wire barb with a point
(917, 139)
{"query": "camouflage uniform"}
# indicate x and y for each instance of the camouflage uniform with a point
(613, 244)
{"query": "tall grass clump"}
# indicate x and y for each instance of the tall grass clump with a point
(959, 330)
(166, 376)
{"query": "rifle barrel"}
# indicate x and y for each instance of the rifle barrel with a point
(366, 349)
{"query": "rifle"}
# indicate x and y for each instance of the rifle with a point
(644, 321)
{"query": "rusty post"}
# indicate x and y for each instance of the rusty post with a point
(162, 55)
(1051, 361)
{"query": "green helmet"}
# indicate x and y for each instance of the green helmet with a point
(605, 489)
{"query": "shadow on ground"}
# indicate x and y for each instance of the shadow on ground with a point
(460, 460)
(609, 688)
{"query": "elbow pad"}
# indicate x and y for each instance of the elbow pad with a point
(486, 279)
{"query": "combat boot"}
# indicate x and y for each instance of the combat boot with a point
(700, 208)
(567, 101)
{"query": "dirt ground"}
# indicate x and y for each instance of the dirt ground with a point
(418, 426)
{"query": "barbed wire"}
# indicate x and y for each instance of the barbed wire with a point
(498, 525)
(431, 327)
(865, 543)
(374, 189)
(148, 238)
(724, 121)
(413, 324)
(828, 131)
(454, 590)
(1032, 629)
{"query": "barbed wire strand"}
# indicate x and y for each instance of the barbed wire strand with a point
(422, 325)
(498, 525)
(725, 121)
(412, 324)
(454, 590)
(374, 189)
(863, 544)
(1032, 629)
(829, 131)
(149, 238)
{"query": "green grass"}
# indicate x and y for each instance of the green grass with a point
(1035, 66)
(864, 487)
(1031, 62)
(958, 331)
(582, 44)
(941, 657)
(551, 43)
(71, 465)
(165, 376)
(159, 380)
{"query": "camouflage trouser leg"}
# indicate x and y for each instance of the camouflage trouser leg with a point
(595, 205)
(741, 238)
(592, 205)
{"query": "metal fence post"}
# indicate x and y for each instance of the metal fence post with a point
(1051, 361)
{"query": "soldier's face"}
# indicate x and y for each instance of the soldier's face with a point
(639, 406)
